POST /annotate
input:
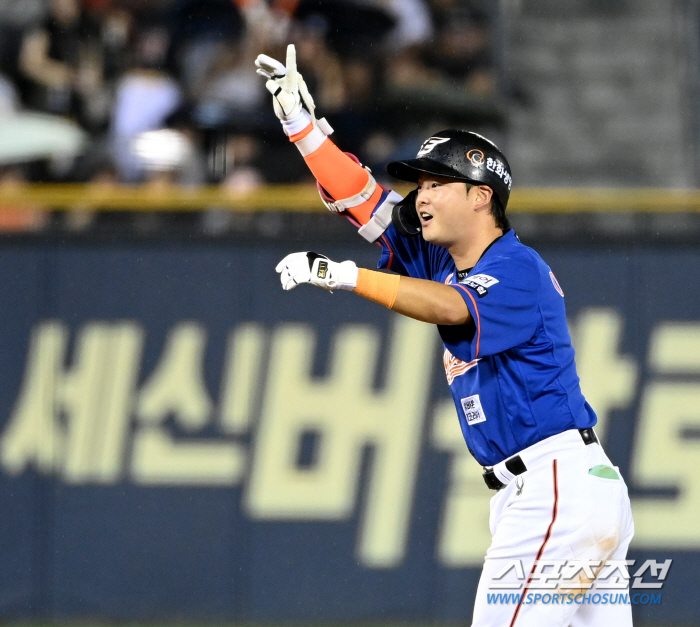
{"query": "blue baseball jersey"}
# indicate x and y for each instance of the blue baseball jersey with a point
(511, 369)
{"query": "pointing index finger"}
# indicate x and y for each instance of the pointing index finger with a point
(290, 80)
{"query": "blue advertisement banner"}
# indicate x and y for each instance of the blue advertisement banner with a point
(181, 439)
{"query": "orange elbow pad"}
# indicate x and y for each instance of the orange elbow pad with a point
(344, 184)
(338, 173)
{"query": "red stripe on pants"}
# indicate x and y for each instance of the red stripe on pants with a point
(544, 543)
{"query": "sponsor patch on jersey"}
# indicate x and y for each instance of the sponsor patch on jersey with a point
(322, 269)
(556, 283)
(480, 283)
(473, 411)
(429, 144)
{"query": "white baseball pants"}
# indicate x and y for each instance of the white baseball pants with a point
(556, 510)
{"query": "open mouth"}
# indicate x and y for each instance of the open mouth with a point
(425, 217)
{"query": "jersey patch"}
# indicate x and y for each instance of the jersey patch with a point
(473, 411)
(556, 284)
(480, 283)
(455, 367)
(429, 144)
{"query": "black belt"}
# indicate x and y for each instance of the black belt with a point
(516, 465)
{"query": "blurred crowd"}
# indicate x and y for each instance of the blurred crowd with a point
(164, 91)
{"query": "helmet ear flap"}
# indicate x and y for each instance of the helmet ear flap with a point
(404, 215)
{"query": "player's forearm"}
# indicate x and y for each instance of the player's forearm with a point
(339, 175)
(345, 186)
(423, 300)
(343, 178)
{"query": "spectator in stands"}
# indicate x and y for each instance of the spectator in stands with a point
(124, 68)
(201, 31)
(414, 25)
(339, 48)
(16, 16)
(461, 48)
(116, 26)
(145, 96)
(61, 60)
(227, 89)
(319, 64)
(458, 56)
(448, 79)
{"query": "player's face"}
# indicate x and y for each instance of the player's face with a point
(444, 207)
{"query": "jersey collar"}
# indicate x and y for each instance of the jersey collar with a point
(462, 274)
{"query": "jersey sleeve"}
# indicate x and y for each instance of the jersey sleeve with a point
(412, 256)
(503, 298)
(408, 256)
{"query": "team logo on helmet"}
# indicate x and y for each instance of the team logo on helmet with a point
(429, 144)
(476, 157)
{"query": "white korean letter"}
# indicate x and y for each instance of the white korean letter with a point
(345, 414)
(176, 388)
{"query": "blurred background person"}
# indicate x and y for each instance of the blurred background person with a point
(61, 65)
(145, 96)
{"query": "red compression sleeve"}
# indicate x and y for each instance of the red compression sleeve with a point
(341, 177)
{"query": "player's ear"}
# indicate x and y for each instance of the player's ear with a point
(483, 195)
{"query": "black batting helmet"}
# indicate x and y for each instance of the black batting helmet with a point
(461, 155)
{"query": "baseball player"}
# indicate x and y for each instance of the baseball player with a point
(508, 356)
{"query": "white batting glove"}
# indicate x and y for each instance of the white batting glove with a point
(286, 85)
(318, 270)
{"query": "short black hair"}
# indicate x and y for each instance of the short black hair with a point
(497, 211)
(499, 214)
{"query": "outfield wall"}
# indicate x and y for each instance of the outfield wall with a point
(181, 439)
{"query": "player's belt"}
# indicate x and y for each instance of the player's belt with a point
(516, 466)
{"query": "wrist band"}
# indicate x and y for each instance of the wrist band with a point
(296, 125)
(377, 286)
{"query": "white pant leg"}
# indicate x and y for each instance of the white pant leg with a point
(611, 495)
(618, 615)
(520, 521)
(583, 518)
